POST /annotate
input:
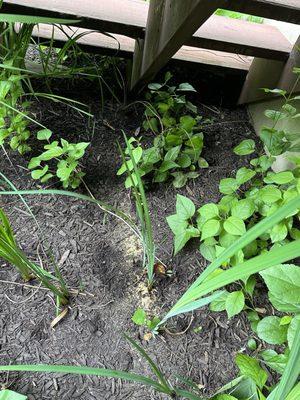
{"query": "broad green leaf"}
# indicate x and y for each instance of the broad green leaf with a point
(247, 146)
(243, 209)
(180, 179)
(185, 208)
(283, 282)
(219, 304)
(183, 237)
(184, 160)
(210, 228)
(166, 165)
(139, 317)
(38, 173)
(44, 134)
(226, 239)
(187, 123)
(279, 232)
(283, 306)
(225, 397)
(234, 303)
(244, 175)
(274, 360)
(172, 154)
(270, 194)
(235, 226)
(176, 223)
(208, 252)
(137, 154)
(154, 86)
(34, 162)
(275, 115)
(151, 156)
(280, 178)
(286, 320)
(209, 211)
(186, 87)
(228, 185)
(270, 330)
(202, 163)
(54, 152)
(250, 367)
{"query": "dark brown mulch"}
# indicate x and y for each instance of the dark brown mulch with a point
(99, 255)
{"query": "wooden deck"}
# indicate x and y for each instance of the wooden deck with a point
(120, 45)
(181, 29)
(129, 17)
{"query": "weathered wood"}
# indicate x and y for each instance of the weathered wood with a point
(262, 74)
(124, 46)
(242, 37)
(288, 80)
(128, 17)
(170, 24)
(281, 10)
(125, 17)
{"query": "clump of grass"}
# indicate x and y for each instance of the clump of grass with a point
(142, 211)
(11, 253)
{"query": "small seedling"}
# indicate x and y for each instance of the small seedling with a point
(140, 318)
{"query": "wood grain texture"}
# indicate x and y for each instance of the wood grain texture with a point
(242, 37)
(124, 46)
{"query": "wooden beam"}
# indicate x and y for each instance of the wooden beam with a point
(281, 10)
(170, 24)
(288, 80)
(242, 37)
(120, 45)
(125, 17)
(262, 74)
(217, 33)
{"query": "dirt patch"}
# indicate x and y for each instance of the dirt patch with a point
(102, 257)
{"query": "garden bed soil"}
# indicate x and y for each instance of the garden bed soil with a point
(100, 256)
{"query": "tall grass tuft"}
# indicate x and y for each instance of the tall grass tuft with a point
(142, 212)
(11, 253)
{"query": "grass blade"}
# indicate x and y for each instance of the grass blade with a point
(31, 19)
(291, 373)
(273, 257)
(153, 366)
(101, 372)
(243, 241)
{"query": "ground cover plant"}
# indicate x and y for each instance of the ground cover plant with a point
(231, 238)
(175, 152)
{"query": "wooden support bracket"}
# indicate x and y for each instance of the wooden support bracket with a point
(170, 24)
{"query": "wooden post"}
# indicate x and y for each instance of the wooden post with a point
(170, 24)
(288, 80)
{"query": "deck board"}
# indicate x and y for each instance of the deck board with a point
(129, 17)
(120, 45)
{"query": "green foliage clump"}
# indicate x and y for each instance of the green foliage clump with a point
(178, 142)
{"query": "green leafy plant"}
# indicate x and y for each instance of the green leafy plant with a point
(140, 318)
(178, 141)
(11, 253)
(66, 155)
(15, 115)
